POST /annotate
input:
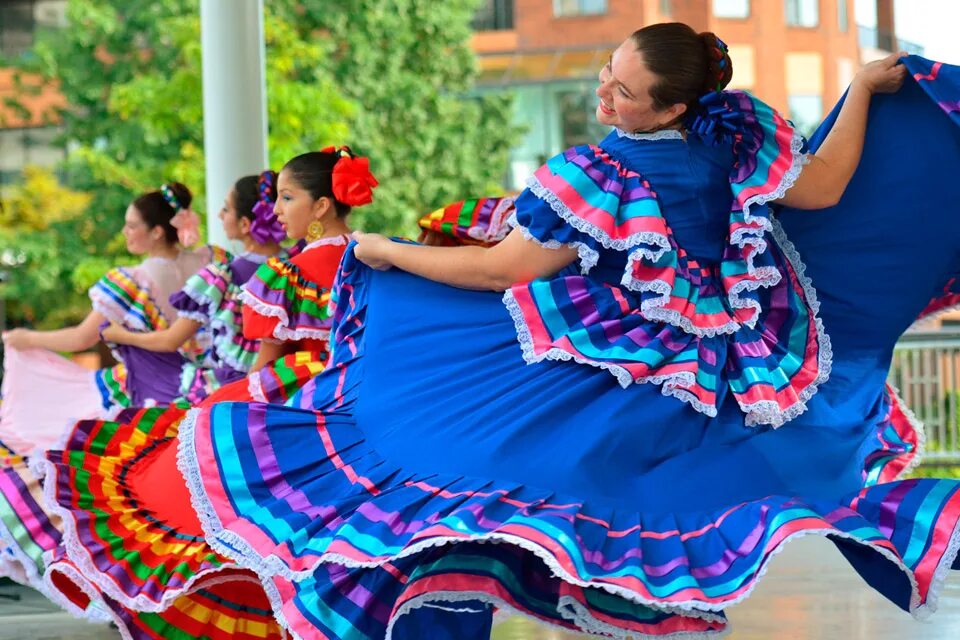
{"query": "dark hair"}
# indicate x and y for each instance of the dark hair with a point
(246, 194)
(313, 171)
(157, 212)
(687, 64)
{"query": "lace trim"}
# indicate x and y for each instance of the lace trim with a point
(918, 427)
(113, 312)
(601, 236)
(83, 558)
(663, 134)
(672, 384)
(196, 316)
(769, 412)
(254, 388)
(499, 227)
(29, 571)
(281, 332)
(588, 257)
(331, 240)
(97, 611)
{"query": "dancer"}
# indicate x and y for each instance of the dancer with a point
(666, 422)
(146, 566)
(210, 299)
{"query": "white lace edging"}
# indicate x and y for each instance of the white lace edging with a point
(588, 257)
(254, 388)
(83, 559)
(673, 384)
(282, 332)
(663, 134)
(769, 412)
(196, 316)
(97, 612)
(30, 571)
(918, 427)
(598, 234)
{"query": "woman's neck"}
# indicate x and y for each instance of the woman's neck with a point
(336, 227)
(266, 249)
(170, 252)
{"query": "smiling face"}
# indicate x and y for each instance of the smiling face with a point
(624, 93)
(296, 208)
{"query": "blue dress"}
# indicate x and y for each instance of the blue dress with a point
(684, 399)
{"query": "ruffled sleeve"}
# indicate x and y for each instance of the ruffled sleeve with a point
(124, 296)
(587, 199)
(280, 303)
(745, 326)
(480, 221)
(203, 293)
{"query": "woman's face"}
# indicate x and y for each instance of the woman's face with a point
(624, 94)
(296, 208)
(235, 226)
(140, 238)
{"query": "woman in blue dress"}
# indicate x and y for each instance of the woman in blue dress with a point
(669, 418)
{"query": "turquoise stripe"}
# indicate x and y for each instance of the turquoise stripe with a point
(923, 520)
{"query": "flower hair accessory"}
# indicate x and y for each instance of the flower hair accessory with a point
(265, 226)
(167, 192)
(187, 224)
(353, 183)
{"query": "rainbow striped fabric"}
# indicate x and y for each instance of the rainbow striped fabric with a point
(279, 290)
(348, 541)
(480, 221)
(125, 300)
(745, 325)
(112, 383)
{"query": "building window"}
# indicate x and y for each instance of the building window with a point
(494, 15)
(564, 8)
(843, 17)
(731, 8)
(578, 119)
(803, 13)
(16, 27)
(806, 112)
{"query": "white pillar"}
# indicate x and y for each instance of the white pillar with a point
(234, 98)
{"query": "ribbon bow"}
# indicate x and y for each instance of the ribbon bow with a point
(353, 183)
(187, 224)
(715, 119)
(266, 226)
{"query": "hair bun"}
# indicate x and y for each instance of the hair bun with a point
(719, 65)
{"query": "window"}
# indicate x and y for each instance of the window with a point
(731, 8)
(494, 15)
(843, 18)
(16, 27)
(806, 112)
(578, 120)
(803, 13)
(564, 8)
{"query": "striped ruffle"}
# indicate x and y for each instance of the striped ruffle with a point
(278, 290)
(481, 221)
(112, 384)
(746, 326)
(126, 300)
(339, 516)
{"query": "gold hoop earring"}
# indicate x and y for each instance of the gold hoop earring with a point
(314, 231)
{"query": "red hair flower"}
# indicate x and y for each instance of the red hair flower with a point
(353, 183)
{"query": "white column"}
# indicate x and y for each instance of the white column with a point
(234, 98)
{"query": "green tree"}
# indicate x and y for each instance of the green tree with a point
(409, 67)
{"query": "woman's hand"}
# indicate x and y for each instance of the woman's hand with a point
(18, 339)
(373, 250)
(883, 76)
(113, 333)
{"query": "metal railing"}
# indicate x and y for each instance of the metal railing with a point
(926, 370)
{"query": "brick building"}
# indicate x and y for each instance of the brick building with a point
(798, 55)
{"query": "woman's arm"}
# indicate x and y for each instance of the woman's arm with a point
(823, 181)
(165, 340)
(269, 351)
(72, 339)
(514, 260)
